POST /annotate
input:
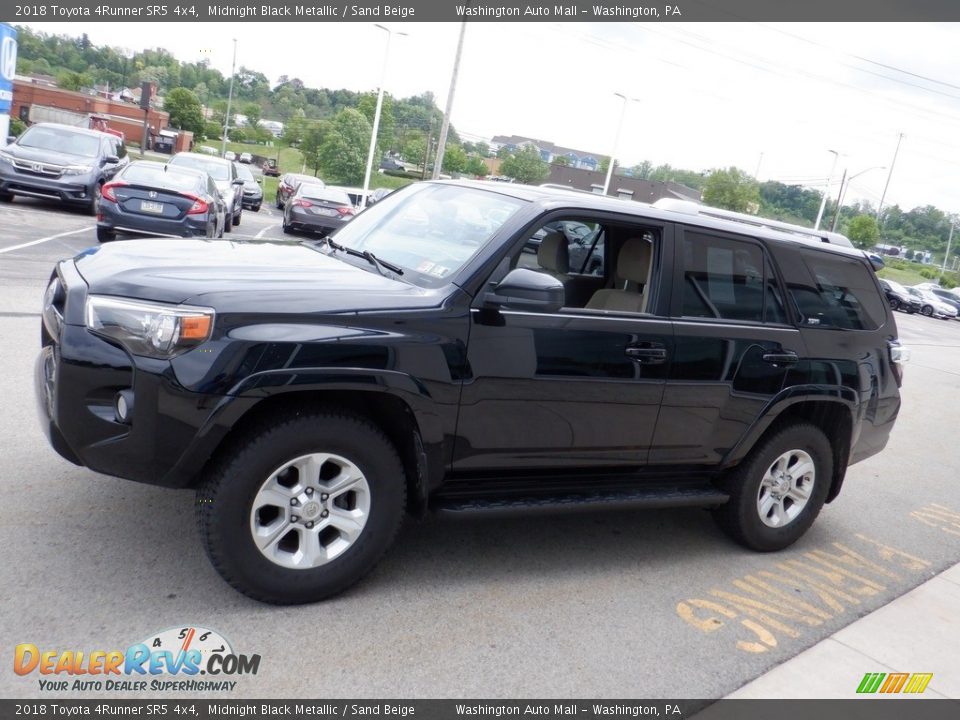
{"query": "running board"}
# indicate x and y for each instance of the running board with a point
(651, 496)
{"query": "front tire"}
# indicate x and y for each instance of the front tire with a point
(778, 490)
(303, 508)
(894, 304)
(236, 218)
(927, 310)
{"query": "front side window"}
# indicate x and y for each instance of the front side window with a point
(431, 231)
(728, 279)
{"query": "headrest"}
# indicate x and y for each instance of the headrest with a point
(553, 253)
(633, 262)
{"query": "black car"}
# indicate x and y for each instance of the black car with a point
(252, 192)
(313, 392)
(316, 208)
(288, 185)
(153, 199)
(899, 298)
(61, 162)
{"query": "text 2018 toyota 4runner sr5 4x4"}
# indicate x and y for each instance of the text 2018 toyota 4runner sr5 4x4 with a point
(313, 393)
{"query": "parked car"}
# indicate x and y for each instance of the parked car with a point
(61, 162)
(947, 296)
(288, 186)
(316, 208)
(572, 230)
(246, 158)
(270, 168)
(388, 163)
(312, 393)
(378, 195)
(931, 305)
(230, 155)
(149, 198)
(252, 192)
(899, 298)
(224, 174)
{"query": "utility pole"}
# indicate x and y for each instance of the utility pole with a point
(836, 212)
(226, 120)
(376, 117)
(889, 175)
(826, 191)
(943, 268)
(441, 146)
(616, 141)
(756, 173)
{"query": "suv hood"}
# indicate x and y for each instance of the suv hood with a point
(54, 157)
(244, 277)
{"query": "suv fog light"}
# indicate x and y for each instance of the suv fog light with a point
(123, 406)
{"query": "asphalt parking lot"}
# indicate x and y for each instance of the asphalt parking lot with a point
(638, 604)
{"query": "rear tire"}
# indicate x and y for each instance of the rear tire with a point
(104, 235)
(778, 490)
(927, 310)
(236, 218)
(93, 207)
(301, 509)
(894, 304)
(6, 197)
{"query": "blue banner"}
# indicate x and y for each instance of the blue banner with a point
(8, 66)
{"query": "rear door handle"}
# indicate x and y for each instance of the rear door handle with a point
(647, 355)
(781, 358)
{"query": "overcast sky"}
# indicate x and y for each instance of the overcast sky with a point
(707, 95)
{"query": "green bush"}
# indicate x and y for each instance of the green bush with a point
(929, 274)
(17, 126)
(402, 174)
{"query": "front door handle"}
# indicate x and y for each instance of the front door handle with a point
(647, 355)
(781, 358)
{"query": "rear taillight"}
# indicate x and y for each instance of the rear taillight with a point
(107, 191)
(899, 355)
(302, 203)
(200, 205)
(344, 211)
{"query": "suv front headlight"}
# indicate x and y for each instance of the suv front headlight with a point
(5, 156)
(151, 329)
(77, 169)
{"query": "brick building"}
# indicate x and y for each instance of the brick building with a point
(122, 116)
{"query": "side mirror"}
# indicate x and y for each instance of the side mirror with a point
(259, 181)
(11, 139)
(525, 289)
(238, 181)
(111, 159)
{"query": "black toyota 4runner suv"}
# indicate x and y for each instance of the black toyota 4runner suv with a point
(313, 393)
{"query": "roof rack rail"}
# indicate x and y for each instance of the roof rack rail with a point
(692, 208)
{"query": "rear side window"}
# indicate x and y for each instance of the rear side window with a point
(836, 292)
(728, 279)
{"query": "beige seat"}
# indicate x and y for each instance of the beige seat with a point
(634, 264)
(553, 255)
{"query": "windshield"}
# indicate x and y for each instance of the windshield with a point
(431, 230)
(71, 143)
(156, 175)
(244, 172)
(216, 170)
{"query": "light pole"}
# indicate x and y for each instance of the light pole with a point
(616, 141)
(823, 200)
(889, 175)
(943, 268)
(376, 116)
(226, 120)
(445, 127)
(844, 184)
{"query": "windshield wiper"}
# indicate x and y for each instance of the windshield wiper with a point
(379, 264)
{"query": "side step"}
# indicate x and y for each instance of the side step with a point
(648, 496)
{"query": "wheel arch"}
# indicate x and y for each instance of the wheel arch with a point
(833, 415)
(392, 414)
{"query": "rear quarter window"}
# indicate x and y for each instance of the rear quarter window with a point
(833, 291)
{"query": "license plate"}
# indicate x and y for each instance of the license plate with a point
(325, 211)
(151, 207)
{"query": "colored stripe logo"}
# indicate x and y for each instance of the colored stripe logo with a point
(890, 683)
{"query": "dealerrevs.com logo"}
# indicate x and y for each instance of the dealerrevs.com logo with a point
(188, 659)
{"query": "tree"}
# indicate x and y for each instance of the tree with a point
(253, 113)
(343, 153)
(643, 170)
(454, 159)
(475, 166)
(185, 110)
(70, 80)
(561, 160)
(732, 189)
(525, 166)
(311, 140)
(863, 231)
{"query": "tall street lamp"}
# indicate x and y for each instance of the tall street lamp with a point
(376, 116)
(844, 184)
(823, 200)
(226, 120)
(616, 141)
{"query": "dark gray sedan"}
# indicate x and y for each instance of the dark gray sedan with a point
(147, 198)
(318, 209)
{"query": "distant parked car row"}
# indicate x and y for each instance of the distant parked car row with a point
(926, 298)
